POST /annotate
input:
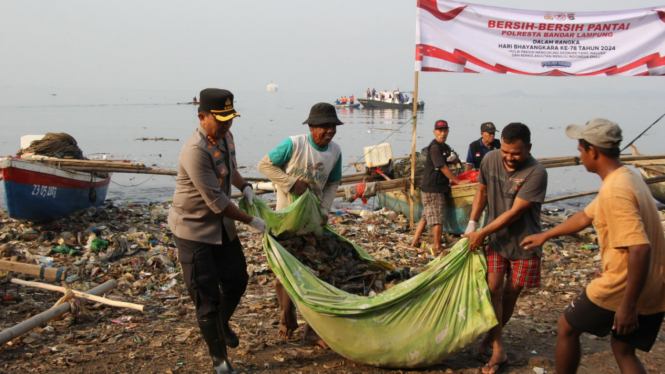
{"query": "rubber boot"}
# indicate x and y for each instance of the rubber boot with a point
(226, 309)
(210, 329)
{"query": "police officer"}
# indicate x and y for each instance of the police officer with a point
(202, 219)
(479, 148)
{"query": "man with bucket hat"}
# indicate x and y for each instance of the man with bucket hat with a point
(479, 148)
(308, 161)
(628, 300)
(202, 219)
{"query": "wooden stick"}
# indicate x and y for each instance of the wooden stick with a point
(41, 271)
(647, 181)
(40, 319)
(119, 304)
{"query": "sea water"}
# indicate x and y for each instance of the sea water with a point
(109, 122)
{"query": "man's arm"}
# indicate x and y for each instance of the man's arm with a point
(449, 174)
(469, 160)
(276, 174)
(573, 224)
(625, 319)
(477, 238)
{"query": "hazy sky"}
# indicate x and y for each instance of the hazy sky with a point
(303, 45)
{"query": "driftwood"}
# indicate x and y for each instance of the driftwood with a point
(101, 166)
(158, 139)
(43, 272)
(55, 312)
(99, 299)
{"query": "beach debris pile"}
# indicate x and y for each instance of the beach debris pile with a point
(132, 245)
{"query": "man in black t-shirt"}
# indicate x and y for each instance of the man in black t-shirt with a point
(436, 182)
(513, 185)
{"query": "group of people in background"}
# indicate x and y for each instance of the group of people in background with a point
(628, 300)
(344, 100)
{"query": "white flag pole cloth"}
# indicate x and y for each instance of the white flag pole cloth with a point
(469, 38)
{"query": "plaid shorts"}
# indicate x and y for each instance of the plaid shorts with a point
(521, 272)
(433, 203)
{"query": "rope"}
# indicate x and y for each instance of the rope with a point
(60, 145)
(132, 185)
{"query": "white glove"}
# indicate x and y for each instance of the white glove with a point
(257, 225)
(452, 158)
(249, 194)
(471, 227)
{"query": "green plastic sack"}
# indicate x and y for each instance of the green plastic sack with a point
(417, 323)
(64, 249)
(98, 244)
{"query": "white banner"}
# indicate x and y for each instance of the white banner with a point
(469, 38)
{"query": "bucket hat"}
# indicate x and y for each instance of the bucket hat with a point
(322, 113)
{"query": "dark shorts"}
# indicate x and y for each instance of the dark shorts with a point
(433, 203)
(585, 316)
(213, 273)
(521, 272)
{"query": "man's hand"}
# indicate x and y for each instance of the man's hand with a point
(249, 194)
(533, 241)
(300, 187)
(625, 320)
(325, 220)
(257, 225)
(476, 240)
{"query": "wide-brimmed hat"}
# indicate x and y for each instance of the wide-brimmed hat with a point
(599, 132)
(322, 113)
(218, 102)
(440, 124)
(488, 127)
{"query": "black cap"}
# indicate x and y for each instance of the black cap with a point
(440, 124)
(322, 113)
(488, 127)
(217, 102)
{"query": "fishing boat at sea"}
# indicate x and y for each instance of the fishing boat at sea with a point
(390, 100)
(40, 192)
(347, 106)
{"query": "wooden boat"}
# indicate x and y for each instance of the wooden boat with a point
(40, 192)
(456, 211)
(189, 103)
(651, 169)
(392, 103)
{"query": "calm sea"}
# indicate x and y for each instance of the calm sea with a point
(109, 122)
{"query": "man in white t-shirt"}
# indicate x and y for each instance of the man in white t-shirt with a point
(308, 161)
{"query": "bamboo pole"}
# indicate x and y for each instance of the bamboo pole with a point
(99, 299)
(413, 151)
(647, 181)
(41, 271)
(55, 312)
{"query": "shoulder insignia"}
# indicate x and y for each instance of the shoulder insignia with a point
(211, 140)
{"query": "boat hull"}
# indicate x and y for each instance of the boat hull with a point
(378, 104)
(356, 105)
(36, 192)
(456, 212)
(657, 189)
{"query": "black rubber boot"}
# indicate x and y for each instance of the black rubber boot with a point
(226, 309)
(210, 329)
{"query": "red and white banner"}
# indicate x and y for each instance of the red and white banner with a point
(469, 38)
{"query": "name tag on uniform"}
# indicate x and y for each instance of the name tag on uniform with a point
(219, 161)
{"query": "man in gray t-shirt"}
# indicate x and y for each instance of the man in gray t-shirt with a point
(513, 185)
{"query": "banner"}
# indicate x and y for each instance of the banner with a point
(469, 38)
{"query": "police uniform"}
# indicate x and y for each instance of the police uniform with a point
(209, 250)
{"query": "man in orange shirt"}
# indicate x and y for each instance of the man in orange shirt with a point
(628, 300)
